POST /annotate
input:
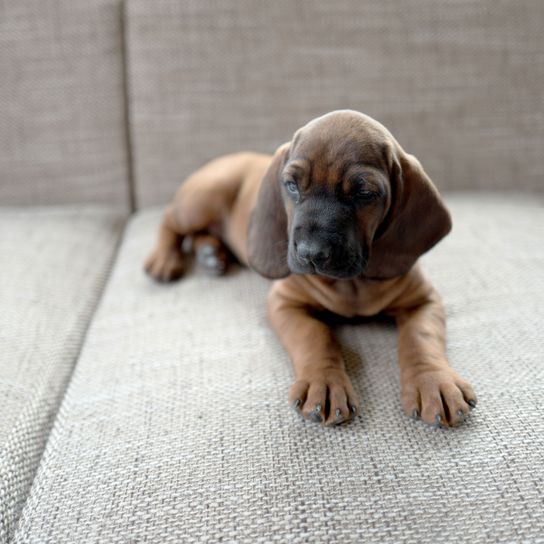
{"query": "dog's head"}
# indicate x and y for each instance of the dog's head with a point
(343, 200)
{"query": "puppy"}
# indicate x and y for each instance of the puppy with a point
(338, 217)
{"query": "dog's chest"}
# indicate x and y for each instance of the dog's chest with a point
(357, 297)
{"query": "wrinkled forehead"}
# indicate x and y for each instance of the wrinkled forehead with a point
(342, 141)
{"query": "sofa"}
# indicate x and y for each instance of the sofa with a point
(142, 412)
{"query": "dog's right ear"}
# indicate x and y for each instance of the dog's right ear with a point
(267, 239)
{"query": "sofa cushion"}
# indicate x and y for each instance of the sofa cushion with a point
(54, 264)
(175, 426)
(63, 131)
(458, 83)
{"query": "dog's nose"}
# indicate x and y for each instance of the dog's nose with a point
(313, 252)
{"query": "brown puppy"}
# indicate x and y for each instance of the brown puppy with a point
(341, 213)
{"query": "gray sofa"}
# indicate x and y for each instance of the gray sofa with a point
(137, 412)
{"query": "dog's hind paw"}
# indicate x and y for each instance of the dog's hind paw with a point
(211, 255)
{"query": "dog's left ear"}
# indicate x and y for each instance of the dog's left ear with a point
(267, 238)
(416, 221)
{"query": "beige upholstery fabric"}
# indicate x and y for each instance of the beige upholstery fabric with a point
(54, 264)
(175, 426)
(458, 82)
(62, 129)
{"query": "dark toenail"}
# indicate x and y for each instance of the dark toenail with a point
(415, 413)
(354, 410)
(461, 415)
(296, 404)
(472, 403)
(438, 420)
(314, 416)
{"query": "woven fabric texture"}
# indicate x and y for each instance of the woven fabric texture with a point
(63, 128)
(54, 264)
(458, 82)
(175, 426)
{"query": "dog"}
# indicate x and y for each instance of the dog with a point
(338, 218)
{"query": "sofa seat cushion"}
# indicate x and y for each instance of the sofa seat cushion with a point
(54, 262)
(175, 426)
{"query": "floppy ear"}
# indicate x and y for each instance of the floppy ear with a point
(267, 230)
(416, 221)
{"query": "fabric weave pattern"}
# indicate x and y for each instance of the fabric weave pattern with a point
(55, 262)
(458, 83)
(62, 105)
(175, 426)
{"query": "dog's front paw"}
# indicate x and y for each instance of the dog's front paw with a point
(324, 396)
(165, 264)
(439, 396)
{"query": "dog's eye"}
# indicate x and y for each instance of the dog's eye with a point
(365, 195)
(292, 188)
(362, 191)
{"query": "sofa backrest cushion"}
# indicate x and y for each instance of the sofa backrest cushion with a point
(62, 113)
(459, 83)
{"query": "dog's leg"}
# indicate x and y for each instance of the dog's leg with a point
(322, 391)
(189, 215)
(166, 262)
(200, 207)
(430, 388)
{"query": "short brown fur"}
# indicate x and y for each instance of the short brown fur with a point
(237, 200)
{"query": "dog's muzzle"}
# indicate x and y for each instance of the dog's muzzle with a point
(313, 252)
